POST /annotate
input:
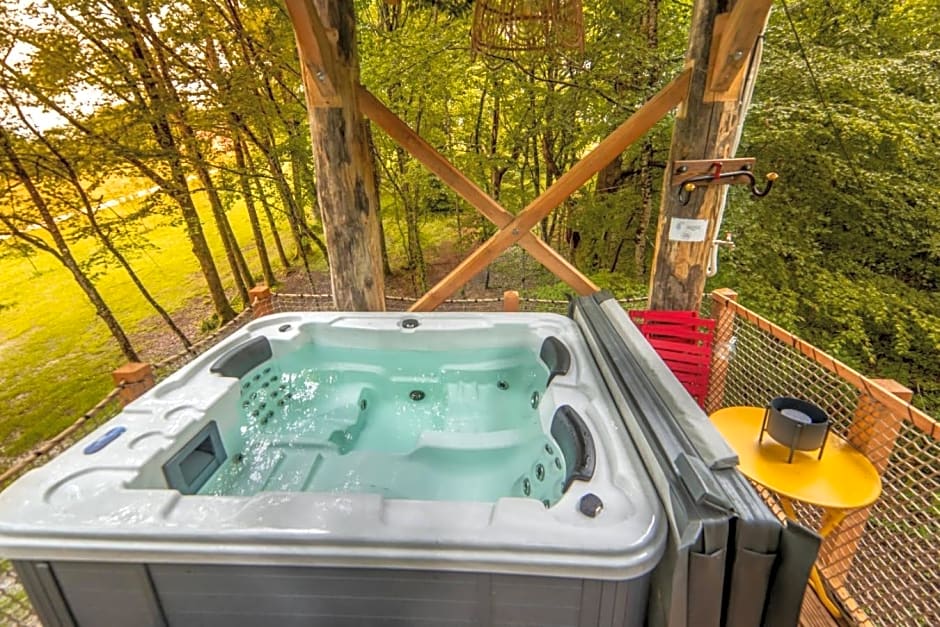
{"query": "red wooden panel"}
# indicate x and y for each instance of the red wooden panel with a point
(684, 341)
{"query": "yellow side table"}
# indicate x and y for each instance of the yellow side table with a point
(843, 480)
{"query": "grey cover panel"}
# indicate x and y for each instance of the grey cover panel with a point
(798, 549)
(697, 524)
(704, 607)
(44, 593)
(108, 594)
(716, 570)
(750, 569)
(704, 438)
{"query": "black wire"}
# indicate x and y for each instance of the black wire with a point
(822, 99)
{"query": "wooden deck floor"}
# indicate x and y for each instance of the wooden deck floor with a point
(813, 614)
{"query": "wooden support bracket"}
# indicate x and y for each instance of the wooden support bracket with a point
(732, 46)
(314, 47)
(682, 171)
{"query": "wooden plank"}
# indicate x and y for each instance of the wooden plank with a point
(814, 614)
(892, 403)
(346, 190)
(434, 161)
(859, 618)
(605, 152)
(873, 431)
(734, 90)
(739, 34)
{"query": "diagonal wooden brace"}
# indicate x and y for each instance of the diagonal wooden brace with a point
(421, 150)
(605, 152)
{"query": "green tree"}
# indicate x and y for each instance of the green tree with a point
(845, 250)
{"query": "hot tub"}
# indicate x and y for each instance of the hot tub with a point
(341, 469)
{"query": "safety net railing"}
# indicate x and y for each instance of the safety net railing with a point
(882, 564)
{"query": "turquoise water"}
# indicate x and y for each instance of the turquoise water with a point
(437, 425)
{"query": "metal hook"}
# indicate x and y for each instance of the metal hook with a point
(771, 177)
(685, 193)
(686, 189)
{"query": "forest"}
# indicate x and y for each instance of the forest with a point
(200, 104)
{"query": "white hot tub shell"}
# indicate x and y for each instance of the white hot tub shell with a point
(100, 537)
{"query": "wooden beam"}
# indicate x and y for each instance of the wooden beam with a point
(707, 129)
(313, 46)
(722, 347)
(605, 152)
(733, 47)
(434, 161)
(874, 432)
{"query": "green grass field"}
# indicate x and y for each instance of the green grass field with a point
(56, 355)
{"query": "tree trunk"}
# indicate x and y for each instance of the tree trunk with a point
(240, 272)
(345, 178)
(646, 209)
(410, 200)
(296, 168)
(62, 251)
(245, 184)
(386, 265)
(177, 187)
(709, 129)
(71, 175)
(269, 216)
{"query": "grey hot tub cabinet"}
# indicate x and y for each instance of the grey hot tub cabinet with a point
(143, 595)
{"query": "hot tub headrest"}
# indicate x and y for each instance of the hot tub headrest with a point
(576, 443)
(243, 358)
(556, 357)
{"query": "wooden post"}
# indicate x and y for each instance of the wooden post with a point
(723, 316)
(261, 301)
(134, 378)
(708, 127)
(874, 431)
(326, 40)
(511, 301)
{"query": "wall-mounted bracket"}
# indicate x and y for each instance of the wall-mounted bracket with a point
(690, 175)
(683, 171)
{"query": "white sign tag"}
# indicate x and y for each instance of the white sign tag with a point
(687, 230)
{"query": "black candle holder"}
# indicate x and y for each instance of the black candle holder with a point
(799, 425)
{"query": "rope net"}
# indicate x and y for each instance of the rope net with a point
(513, 27)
